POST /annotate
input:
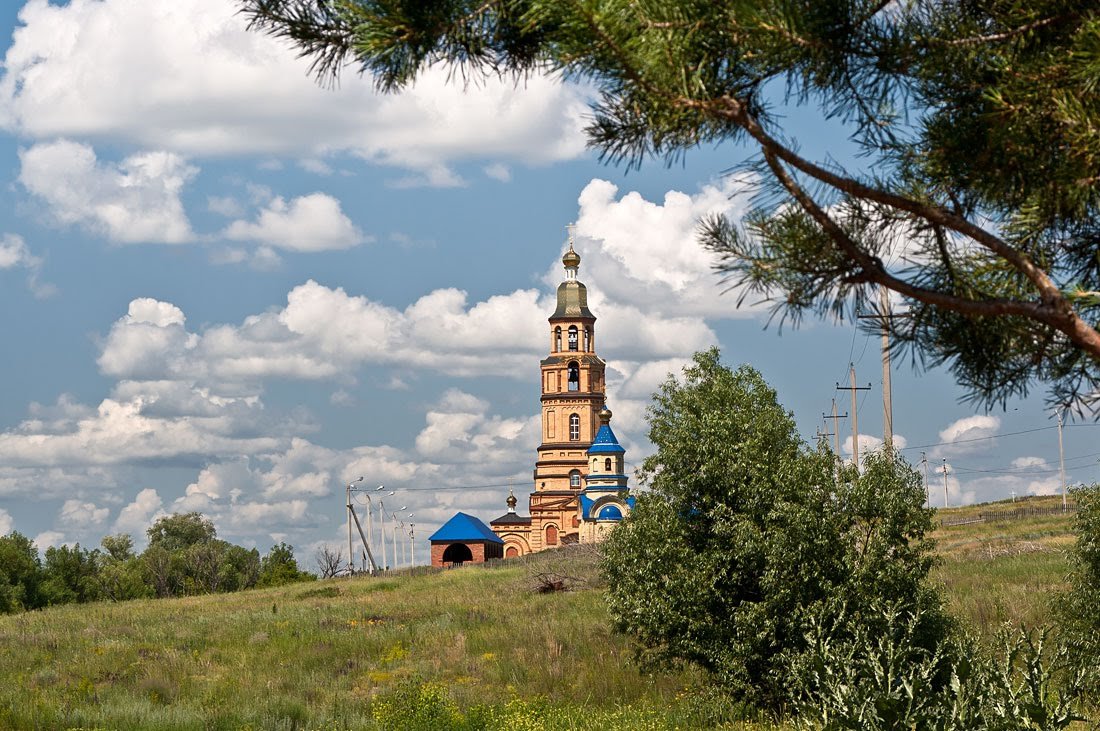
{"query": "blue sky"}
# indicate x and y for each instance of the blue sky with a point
(227, 289)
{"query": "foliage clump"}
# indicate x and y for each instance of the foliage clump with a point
(748, 537)
(184, 557)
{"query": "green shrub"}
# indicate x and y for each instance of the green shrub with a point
(747, 536)
(886, 681)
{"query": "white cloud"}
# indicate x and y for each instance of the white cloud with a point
(139, 514)
(498, 171)
(227, 206)
(460, 430)
(311, 222)
(869, 443)
(6, 522)
(14, 254)
(135, 201)
(646, 253)
(969, 434)
(189, 77)
(49, 539)
(82, 516)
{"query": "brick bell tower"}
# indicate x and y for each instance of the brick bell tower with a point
(572, 396)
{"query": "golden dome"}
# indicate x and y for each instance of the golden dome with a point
(571, 259)
(604, 414)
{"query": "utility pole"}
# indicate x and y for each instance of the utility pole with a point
(883, 317)
(412, 544)
(1061, 460)
(855, 416)
(887, 391)
(366, 543)
(351, 553)
(836, 431)
(927, 491)
(945, 482)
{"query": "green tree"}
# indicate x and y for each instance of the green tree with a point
(976, 123)
(20, 573)
(122, 575)
(70, 575)
(280, 567)
(746, 538)
(181, 530)
(1077, 607)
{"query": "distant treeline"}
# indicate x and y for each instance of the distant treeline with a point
(184, 556)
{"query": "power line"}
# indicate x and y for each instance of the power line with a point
(980, 439)
(1028, 469)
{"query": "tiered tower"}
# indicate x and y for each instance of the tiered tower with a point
(575, 420)
(572, 396)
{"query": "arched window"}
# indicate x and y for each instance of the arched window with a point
(574, 376)
(574, 428)
(511, 552)
(557, 339)
(588, 340)
(574, 478)
(572, 337)
(551, 535)
(607, 465)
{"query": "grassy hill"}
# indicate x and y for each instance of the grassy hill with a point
(1002, 562)
(426, 649)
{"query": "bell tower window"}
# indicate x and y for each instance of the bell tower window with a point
(574, 478)
(573, 337)
(574, 428)
(574, 376)
(557, 339)
(588, 340)
(607, 465)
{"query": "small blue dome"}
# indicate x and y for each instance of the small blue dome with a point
(611, 512)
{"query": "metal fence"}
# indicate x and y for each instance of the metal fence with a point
(1002, 514)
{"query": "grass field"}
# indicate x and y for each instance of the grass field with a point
(1003, 571)
(457, 647)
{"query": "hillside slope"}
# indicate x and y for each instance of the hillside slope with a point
(345, 653)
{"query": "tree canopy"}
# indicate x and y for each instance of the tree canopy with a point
(747, 538)
(977, 124)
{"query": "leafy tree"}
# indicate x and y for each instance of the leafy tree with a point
(279, 567)
(976, 121)
(20, 573)
(122, 575)
(119, 547)
(747, 538)
(181, 530)
(70, 575)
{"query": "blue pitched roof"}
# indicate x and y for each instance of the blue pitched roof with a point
(605, 442)
(465, 527)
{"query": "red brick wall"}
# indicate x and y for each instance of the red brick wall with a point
(480, 554)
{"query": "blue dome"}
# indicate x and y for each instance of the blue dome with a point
(605, 442)
(611, 512)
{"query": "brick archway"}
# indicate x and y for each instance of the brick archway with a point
(457, 553)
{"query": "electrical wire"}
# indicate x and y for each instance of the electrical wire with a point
(978, 439)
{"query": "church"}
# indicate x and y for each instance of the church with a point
(580, 482)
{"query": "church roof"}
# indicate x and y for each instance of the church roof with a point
(572, 301)
(606, 442)
(464, 527)
(511, 519)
